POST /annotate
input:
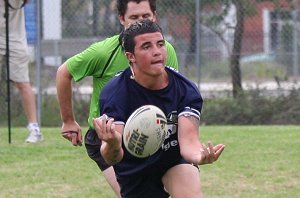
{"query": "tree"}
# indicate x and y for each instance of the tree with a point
(212, 21)
(235, 69)
(243, 8)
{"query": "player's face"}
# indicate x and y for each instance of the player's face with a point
(149, 55)
(136, 12)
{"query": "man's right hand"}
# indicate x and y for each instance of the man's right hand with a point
(70, 128)
(72, 132)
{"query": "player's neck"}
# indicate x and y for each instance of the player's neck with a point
(153, 82)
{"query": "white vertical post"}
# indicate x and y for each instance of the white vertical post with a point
(266, 31)
(52, 26)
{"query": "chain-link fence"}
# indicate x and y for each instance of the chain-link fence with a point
(224, 46)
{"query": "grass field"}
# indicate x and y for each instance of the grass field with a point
(259, 161)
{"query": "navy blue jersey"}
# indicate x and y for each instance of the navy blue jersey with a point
(122, 96)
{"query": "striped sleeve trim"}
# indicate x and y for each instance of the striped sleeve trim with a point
(190, 112)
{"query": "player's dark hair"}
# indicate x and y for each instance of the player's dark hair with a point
(135, 29)
(123, 4)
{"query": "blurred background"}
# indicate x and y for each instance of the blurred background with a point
(242, 54)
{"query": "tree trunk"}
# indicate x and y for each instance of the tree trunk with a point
(235, 69)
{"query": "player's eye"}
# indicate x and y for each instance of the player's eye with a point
(146, 16)
(161, 44)
(134, 17)
(145, 47)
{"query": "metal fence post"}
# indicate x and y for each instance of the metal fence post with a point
(38, 62)
(295, 41)
(7, 71)
(197, 58)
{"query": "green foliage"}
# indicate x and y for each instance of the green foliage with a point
(51, 112)
(263, 70)
(287, 37)
(248, 7)
(253, 108)
(180, 7)
(16, 110)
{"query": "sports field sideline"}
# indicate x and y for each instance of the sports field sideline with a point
(258, 161)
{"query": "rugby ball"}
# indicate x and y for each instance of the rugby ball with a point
(145, 131)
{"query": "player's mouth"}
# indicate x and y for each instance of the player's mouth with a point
(157, 62)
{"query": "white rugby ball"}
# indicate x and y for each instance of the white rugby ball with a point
(145, 131)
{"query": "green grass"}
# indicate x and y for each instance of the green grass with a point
(259, 161)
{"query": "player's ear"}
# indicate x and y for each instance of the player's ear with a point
(154, 17)
(130, 56)
(122, 20)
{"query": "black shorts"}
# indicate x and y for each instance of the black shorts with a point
(92, 145)
(148, 183)
(146, 186)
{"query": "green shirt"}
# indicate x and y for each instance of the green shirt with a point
(103, 60)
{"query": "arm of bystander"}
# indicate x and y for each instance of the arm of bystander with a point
(70, 128)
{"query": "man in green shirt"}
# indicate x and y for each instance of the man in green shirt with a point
(101, 61)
